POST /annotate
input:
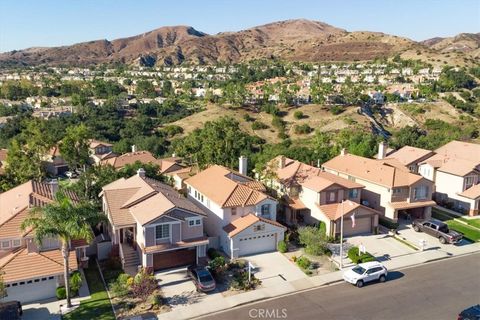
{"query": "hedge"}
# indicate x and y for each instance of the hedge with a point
(388, 223)
(356, 258)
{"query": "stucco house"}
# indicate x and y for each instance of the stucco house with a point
(410, 157)
(30, 271)
(240, 213)
(100, 150)
(455, 170)
(120, 161)
(152, 224)
(390, 187)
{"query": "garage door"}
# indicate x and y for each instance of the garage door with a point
(362, 225)
(177, 258)
(257, 243)
(32, 290)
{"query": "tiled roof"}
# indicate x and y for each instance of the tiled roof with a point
(408, 155)
(324, 180)
(217, 184)
(130, 158)
(372, 170)
(21, 265)
(143, 199)
(410, 205)
(96, 143)
(11, 227)
(335, 210)
(181, 244)
(293, 171)
(460, 150)
(472, 193)
(240, 224)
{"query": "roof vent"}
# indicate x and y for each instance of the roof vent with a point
(141, 173)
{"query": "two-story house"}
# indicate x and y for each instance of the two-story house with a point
(100, 150)
(30, 271)
(455, 170)
(120, 161)
(390, 189)
(240, 213)
(410, 157)
(152, 224)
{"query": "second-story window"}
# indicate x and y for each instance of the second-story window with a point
(5, 244)
(468, 182)
(352, 193)
(331, 196)
(234, 211)
(265, 209)
(420, 193)
(162, 231)
(16, 243)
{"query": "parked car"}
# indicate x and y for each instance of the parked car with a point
(202, 278)
(366, 272)
(11, 310)
(472, 313)
(438, 230)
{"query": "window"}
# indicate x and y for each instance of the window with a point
(234, 211)
(16, 243)
(259, 227)
(331, 196)
(162, 231)
(265, 209)
(196, 194)
(468, 182)
(189, 189)
(208, 203)
(201, 197)
(5, 244)
(353, 193)
(194, 222)
(420, 193)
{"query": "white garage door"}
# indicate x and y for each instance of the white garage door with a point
(32, 290)
(257, 243)
(362, 225)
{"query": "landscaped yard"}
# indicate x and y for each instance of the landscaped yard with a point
(98, 306)
(469, 230)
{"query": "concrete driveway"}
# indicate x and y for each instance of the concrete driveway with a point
(381, 246)
(177, 287)
(273, 268)
(43, 310)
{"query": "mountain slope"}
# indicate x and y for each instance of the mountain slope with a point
(294, 40)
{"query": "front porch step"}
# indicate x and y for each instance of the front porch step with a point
(130, 257)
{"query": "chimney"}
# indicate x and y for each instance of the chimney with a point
(174, 155)
(382, 150)
(134, 148)
(54, 186)
(32, 247)
(141, 173)
(343, 152)
(242, 165)
(281, 163)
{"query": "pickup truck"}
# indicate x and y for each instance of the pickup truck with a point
(438, 230)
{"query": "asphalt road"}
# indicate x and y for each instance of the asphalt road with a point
(438, 290)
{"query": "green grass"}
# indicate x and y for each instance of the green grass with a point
(469, 233)
(473, 222)
(98, 306)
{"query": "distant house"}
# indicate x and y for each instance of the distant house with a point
(240, 213)
(54, 162)
(3, 160)
(153, 225)
(100, 151)
(120, 161)
(455, 170)
(410, 157)
(177, 171)
(31, 271)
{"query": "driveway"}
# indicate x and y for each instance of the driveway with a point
(381, 246)
(177, 287)
(43, 310)
(274, 268)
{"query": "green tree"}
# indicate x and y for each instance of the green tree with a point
(167, 88)
(66, 220)
(3, 289)
(145, 89)
(74, 147)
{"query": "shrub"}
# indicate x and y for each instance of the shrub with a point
(240, 281)
(337, 110)
(144, 284)
(212, 253)
(322, 227)
(258, 125)
(157, 300)
(61, 293)
(217, 266)
(304, 263)
(282, 246)
(314, 241)
(353, 254)
(75, 282)
(120, 287)
(388, 223)
(302, 129)
(298, 115)
(247, 117)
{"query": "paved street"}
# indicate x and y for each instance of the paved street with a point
(437, 290)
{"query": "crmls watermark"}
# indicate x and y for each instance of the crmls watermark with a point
(261, 313)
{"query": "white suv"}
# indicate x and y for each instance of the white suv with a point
(366, 272)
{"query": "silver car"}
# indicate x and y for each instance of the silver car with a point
(366, 272)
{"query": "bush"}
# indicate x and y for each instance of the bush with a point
(217, 266)
(247, 117)
(388, 223)
(298, 115)
(302, 129)
(157, 300)
(337, 110)
(121, 286)
(282, 246)
(304, 263)
(322, 227)
(61, 293)
(212, 253)
(258, 125)
(75, 282)
(314, 241)
(353, 254)
(144, 284)
(240, 281)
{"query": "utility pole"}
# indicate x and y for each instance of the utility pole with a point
(341, 237)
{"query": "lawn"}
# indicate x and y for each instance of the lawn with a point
(468, 232)
(98, 306)
(473, 222)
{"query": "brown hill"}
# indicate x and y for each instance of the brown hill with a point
(463, 42)
(295, 40)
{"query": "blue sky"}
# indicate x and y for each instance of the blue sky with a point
(30, 23)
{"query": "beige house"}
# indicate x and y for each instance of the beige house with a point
(3, 160)
(390, 188)
(311, 195)
(31, 271)
(410, 157)
(152, 224)
(120, 161)
(100, 150)
(455, 170)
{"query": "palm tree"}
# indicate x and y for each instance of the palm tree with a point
(67, 220)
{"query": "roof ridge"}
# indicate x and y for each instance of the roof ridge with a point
(15, 254)
(11, 217)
